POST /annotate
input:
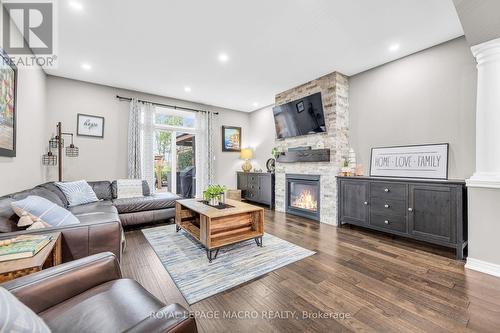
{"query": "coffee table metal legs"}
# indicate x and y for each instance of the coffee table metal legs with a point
(212, 254)
(209, 254)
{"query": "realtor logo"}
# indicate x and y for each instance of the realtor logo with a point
(34, 21)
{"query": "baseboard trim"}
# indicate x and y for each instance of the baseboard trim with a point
(483, 266)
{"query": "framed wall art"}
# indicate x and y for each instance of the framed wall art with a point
(8, 90)
(91, 126)
(416, 161)
(231, 138)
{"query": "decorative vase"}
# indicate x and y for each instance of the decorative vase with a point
(247, 166)
(214, 201)
(345, 171)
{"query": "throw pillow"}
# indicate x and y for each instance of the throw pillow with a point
(17, 317)
(129, 188)
(45, 210)
(78, 193)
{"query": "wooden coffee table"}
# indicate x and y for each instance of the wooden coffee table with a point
(215, 228)
(49, 256)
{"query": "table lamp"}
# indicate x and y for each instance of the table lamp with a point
(246, 154)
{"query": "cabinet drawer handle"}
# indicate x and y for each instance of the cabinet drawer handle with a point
(386, 221)
(365, 203)
(410, 209)
(386, 190)
(386, 206)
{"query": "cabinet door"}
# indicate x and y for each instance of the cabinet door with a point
(433, 213)
(242, 181)
(252, 187)
(243, 184)
(265, 189)
(354, 202)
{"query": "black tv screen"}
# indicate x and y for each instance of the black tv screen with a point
(301, 117)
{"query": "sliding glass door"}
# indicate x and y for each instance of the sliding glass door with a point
(174, 152)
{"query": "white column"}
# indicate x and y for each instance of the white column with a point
(487, 116)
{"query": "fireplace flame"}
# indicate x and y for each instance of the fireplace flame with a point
(306, 200)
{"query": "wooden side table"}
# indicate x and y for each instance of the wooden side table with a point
(49, 256)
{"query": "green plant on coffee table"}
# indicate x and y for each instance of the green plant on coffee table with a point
(214, 191)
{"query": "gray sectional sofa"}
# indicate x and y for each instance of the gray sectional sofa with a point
(101, 222)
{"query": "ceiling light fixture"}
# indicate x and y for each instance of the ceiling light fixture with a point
(187, 89)
(223, 57)
(76, 5)
(394, 47)
(86, 66)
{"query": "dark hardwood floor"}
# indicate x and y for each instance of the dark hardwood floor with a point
(380, 284)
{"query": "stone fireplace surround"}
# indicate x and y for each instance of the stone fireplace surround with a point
(334, 88)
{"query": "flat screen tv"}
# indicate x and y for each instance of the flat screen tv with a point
(300, 117)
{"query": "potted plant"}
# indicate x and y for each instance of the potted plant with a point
(214, 194)
(345, 170)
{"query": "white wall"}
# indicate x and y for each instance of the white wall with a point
(263, 136)
(26, 170)
(427, 97)
(107, 158)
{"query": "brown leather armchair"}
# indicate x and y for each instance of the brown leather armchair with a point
(90, 295)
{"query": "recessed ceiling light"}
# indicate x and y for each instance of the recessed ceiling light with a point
(187, 89)
(394, 47)
(223, 57)
(86, 66)
(255, 104)
(76, 5)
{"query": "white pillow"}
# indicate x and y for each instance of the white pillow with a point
(78, 193)
(17, 317)
(129, 188)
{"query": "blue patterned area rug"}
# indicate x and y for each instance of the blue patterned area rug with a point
(186, 261)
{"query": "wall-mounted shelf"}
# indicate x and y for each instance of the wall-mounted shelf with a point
(308, 155)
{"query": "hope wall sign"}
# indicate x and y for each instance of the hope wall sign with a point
(420, 161)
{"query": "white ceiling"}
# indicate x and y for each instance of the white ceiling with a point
(160, 47)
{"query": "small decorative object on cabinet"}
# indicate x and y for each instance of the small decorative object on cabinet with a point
(246, 155)
(418, 161)
(271, 165)
(92, 126)
(426, 210)
(257, 187)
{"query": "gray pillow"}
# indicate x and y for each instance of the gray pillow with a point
(78, 193)
(17, 317)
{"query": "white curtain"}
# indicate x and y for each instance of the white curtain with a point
(148, 111)
(134, 140)
(206, 126)
(140, 141)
